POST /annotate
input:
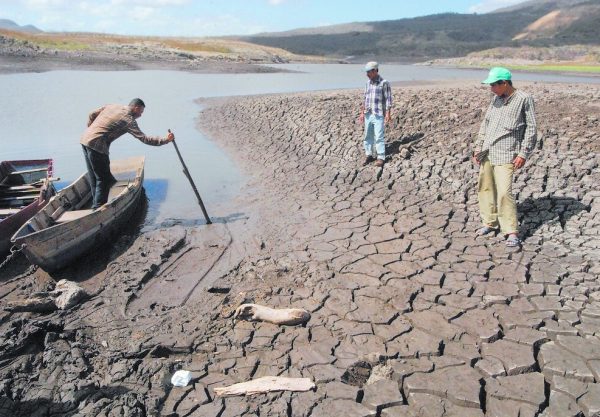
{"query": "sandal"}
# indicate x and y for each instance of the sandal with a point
(513, 241)
(485, 230)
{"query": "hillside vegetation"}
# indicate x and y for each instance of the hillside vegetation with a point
(534, 24)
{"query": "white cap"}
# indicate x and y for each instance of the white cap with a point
(371, 65)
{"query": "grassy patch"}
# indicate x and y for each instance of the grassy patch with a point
(550, 67)
(52, 41)
(594, 69)
(62, 45)
(191, 46)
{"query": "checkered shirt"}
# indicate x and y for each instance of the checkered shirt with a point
(378, 96)
(509, 129)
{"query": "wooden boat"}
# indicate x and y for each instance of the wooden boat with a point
(66, 228)
(25, 187)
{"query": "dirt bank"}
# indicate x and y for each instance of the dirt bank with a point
(410, 314)
(107, 62)
(47, 52)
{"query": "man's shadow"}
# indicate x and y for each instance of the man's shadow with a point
(535, 212)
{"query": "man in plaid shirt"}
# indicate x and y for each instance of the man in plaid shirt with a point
(375, 112)
(506, 140)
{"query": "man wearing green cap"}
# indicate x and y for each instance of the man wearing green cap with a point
(506, 140)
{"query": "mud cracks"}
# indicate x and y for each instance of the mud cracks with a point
(411, 315)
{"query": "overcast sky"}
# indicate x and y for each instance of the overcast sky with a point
(221, 17)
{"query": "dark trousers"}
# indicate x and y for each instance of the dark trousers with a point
(98, 166)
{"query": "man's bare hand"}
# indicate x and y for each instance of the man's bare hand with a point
(475, 160)
(388, 118)
(361, 117)
(519, 162)
(170, 136)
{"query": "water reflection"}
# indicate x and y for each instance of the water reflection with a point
(230, 218)
(156, 192)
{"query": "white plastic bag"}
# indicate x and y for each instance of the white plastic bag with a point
(181, 378)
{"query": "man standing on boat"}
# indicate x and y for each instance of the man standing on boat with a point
(105, 125)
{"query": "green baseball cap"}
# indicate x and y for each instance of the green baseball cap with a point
(497, 74)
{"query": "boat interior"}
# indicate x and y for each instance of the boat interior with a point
(73, 202)
(21, 184)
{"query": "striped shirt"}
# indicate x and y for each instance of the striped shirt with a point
(108, 123)
(378, 96)
(509, 129)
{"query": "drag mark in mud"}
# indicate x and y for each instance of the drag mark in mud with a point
(172, 284)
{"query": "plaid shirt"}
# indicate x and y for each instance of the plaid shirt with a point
(509, 129)
(378, 96)
(108, 123)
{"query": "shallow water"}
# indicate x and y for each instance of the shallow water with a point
(43, 115)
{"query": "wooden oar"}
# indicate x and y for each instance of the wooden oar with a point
(189, 177)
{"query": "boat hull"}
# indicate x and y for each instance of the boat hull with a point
(75, 232)
(41, 194)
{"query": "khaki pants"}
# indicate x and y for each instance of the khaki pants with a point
(496, 202)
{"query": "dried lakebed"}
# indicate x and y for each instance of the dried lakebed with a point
(411, 315)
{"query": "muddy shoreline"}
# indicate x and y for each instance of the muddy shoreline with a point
(25, 64)
(404, 300)
(18, 56)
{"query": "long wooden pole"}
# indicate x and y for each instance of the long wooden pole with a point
(189, 177)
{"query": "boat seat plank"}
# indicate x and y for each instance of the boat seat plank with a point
(117, 188)
(57, 213)
(18, 197)
(83, 202)
(24, 193)
(13, 174)
(71, 215)
(5, 187)
(8, 211)
(28, 171)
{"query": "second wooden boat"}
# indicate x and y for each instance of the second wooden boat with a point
(25, 187)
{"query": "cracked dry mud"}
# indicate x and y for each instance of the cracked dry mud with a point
(411, 315)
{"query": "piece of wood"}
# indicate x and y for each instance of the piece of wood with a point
(256, 312)
(16, 197)
(69, 216)
(189, 177)
(35, 304)
(8, 211)
(12, 188)
(25, 171)
(28, 171)
(266, 384)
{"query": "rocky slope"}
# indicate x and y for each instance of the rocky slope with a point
(411, 315)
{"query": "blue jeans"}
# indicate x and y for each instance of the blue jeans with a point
(98, 166)
(374, 130)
